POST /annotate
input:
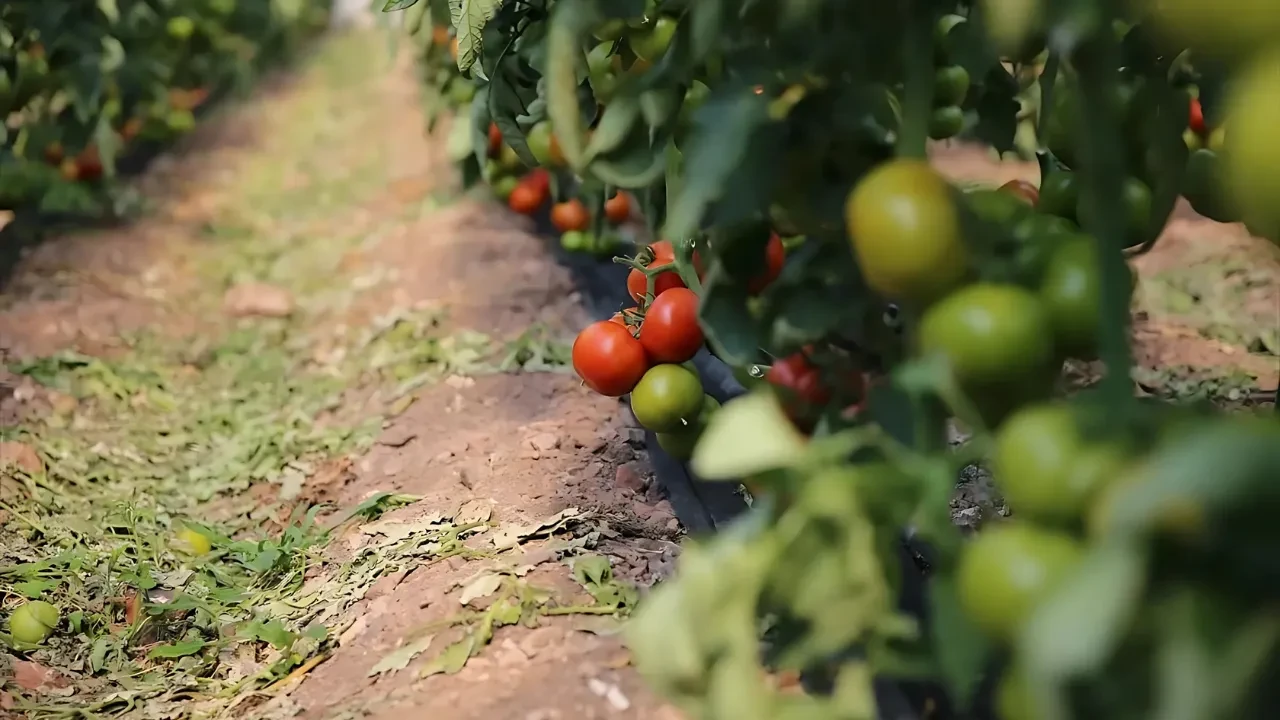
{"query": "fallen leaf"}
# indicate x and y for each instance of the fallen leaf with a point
(510, 536)
(400, 658)
(479, 586)
(450, 660)
(473, 511)
(36, 677)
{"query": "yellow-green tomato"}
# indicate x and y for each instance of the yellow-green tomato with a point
(905, 230)
(668, 398)
(180, 28)
(1252, 149)
(1007, 570)
(33, 622)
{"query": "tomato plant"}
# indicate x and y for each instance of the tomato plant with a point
(781, 150)
(83, 84)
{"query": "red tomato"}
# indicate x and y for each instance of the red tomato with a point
(617, 208)
(570, 215)
(89, 164)
(526, 199)
(495, 139)
(1022, 189)
(1196, 120)
(803, 386)
(663, 254)
(538, 178)
(608, 359)
(670, 332)
(775, 256)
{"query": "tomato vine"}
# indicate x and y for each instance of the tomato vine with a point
(904, 302)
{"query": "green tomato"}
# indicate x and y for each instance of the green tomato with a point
(504, 185)
(1035, 453)
(539, 140)
(996, 206)
(651, 43)
(680, 443)
(946, 122)
(33, 622)
(180, 28)
(1137, 209)
(461, 91)
(1071, 290)
(606, 245)
(575, 241)
(1059, 194)
(668, 398)
(610, 30)
(950, 85)
(180, 121)
(508, 159)
(1007, 570)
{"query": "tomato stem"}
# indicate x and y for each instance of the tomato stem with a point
(1102, 150)
(917, 93)
(684, 265)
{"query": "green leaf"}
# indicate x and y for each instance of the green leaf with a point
(1075, 631)
(452, 659)
(730, 329)
(961, 649)
(394, 5)
(469, 18)
(723, 130)
(750, 434)
(177, 650)
(996, 104)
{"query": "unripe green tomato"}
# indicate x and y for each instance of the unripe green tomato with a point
(539, 140)
(950, 85)
(575, 241)
(180, 121)
(461, 91)
(1252, 150)
(180, 28)
(1059, 194)
(33, 622)
(1137, 211)
(504, 185)
(946, 122)
(508, 159)
(651, 43)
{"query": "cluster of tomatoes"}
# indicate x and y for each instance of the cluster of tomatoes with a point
(530, 192)
(950, 87)
(646, 351)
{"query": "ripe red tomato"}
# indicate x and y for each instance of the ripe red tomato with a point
(663, 254)
(1022, 190)
(608, 359)
(1196, 119)
(89, 164)
(538, 178)
(526, 199)
(670, 332)
(617, 208)
(775, 255)
(495, 139)
(570, 215)
(800, 380)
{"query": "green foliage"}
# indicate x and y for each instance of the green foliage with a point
(82, 83)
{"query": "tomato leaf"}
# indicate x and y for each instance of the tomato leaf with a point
(723, 130)
(961, 649)
(750, 434)
(177, 650)
(731, 331)
(394, 5)
(469, 18)
(996, 103)
(1075, 631)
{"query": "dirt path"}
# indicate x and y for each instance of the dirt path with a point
(352, 380)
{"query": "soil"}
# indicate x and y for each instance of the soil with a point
(319, 206)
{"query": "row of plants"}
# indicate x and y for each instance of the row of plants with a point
(83, 84)
(1132, 579)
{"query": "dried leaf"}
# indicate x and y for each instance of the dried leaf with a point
(400, 658)
(511, 535)
(481, 586)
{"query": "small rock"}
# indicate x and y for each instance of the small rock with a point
(628, 477)
(258, 299)
(632, 436)
(673, 525)
(443, 457)
(543, 442)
